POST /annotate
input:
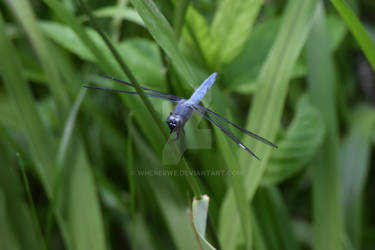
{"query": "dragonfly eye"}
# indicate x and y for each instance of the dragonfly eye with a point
(172, 125)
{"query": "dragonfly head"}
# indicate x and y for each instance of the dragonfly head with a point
(174, 122)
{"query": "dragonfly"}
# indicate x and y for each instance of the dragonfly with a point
(185, 107)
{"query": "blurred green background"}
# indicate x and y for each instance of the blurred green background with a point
(86, 169)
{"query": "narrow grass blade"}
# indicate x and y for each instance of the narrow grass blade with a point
(273, 220)
(355, 156)
(125, 69)
(61, 158)
(9, 239)
(39, 138)
(357, 29)
(163, 34)
(179, 18)
(31, 202)
(171, 203)
(265, 114)
(326, 202)
(110, 67)
(24, 13)
(132, 188)
(18, 223)
(69, 127)
(84, 218)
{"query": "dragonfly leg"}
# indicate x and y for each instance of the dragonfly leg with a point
(177, 135)
(182, 140)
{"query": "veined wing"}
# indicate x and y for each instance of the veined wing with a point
(218, 123)
(148, 92)
(255, 136)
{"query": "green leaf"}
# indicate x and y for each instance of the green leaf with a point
(355, 156)
(197, 35)
(273, 219)
(25, 15)
(200, 212)
(69, 127)
(265, 113)
(327, 210)
(167, 196)
(301, 141)
(230, 29)
(107, 63)
(163, 34)
(240, 76)
(357, 29)
(336, 29)
(125, 13)
(39, 138)
(8, 237)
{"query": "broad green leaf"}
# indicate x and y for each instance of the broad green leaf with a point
(355, 156)
(200, 212)
(231, 27)
(125, 13)
(301, 141)
(266, 110)
(145, 63)
(357, 29)
(240, 76)
(197, 35)
(327, 209)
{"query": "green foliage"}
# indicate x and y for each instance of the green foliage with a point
(84, 169)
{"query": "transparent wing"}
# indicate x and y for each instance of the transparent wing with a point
(218, 123)
(148, 92)
(147, 89)
(255, 136)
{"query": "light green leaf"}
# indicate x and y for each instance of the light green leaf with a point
(145, 63)
(231, 27)
(125, 13)
(200, 212)
(327, 209)
(299, 145)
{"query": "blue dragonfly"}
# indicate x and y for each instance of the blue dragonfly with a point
(185, 107)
